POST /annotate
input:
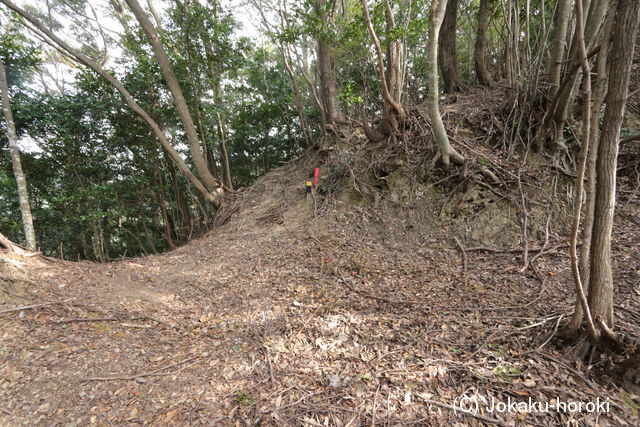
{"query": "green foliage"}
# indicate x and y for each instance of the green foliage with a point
(100, 184)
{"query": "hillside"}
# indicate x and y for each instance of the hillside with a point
(379, 300)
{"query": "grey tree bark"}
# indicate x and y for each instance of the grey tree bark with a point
(391, 75)
(552, 127)
(178, 97)
(586, 130)
(621, 57)
(561, 24)
(479, 60)
(447, 54)
(61, 45)
(327, 67)
(25, 207)
(599, 93)
(445, 150)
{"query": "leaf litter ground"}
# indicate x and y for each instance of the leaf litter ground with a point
(282, 316)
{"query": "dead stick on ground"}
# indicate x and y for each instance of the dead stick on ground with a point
(31, 307)
(100, 319)
(97, 319)
(155, 372)
(552, 334)
(465, 412)
(570, 368)
(6, 411)
(544, 245)
(464, 255)
(266, 351)
(510, 250)
(525, 227)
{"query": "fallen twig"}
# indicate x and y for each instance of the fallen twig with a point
(156, 372)
(552, 334)
(31, 307)
(544, 245)
(133, 325)
(509, 250)
(6, 411)
(97, 319)
(525, 228)
(266, 351)
(464, 255)
(570, 368)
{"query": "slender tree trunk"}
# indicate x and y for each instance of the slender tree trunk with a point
(479, 56)
(512, 52)
(586, 127)
(447, 53)
(25, 208)
(621, 57)
(147, 234)
(562, 108)
(58, 43)
(304, 125)
(166, 225)
(178, 97)
(445, 150)
(327, 68)
(155, 14)
(392, 107)
(561, 20)
(226, 162)
(395, 58)
(594, 136)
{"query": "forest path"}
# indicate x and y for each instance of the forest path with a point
(282, 317)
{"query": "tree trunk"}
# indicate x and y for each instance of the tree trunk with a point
(393, 112)
(479, 57)
(562, 109)
(447, 54)
(224, 152)
(512, 55)
(561, 19)
(178, 97)
(25, 208)
(445, 149)
(58, 43)
(621, 57)
(594, 135)
(327, 68)
(155, 14)
(586, 128)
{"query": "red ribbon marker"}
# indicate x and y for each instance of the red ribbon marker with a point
(316, 176)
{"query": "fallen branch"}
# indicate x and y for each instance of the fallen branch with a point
(525, 228)
(464, 254)
(156, 372)
(552, 334)
(6, 411)
(630, 139)
(570, 368)
(31, 307)
(102, 319)
(343, 281)
(510, 250)
(97, 319)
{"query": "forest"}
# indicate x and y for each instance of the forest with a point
(320, 212)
